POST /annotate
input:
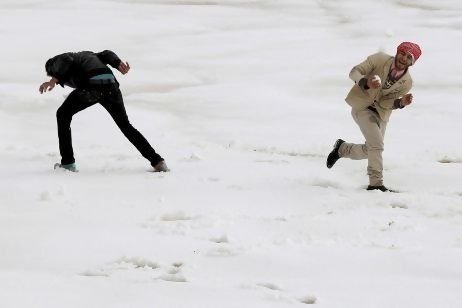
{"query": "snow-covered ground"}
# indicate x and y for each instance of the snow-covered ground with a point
(244, 99)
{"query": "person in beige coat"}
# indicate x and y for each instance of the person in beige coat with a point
(382, 84)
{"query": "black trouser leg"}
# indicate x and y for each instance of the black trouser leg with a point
(77, 101)
(114, 104)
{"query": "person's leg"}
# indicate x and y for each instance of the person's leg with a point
(373, 130)
(353, 150)
(78, 100)
(113, 103)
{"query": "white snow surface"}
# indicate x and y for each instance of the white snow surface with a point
(244, 99)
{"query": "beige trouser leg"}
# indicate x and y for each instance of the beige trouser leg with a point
(373, 129)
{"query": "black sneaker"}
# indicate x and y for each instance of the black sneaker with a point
(380, 187)
(333, 156)
(161, 167)
(70, 167)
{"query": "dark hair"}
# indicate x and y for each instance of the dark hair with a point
(48, 65)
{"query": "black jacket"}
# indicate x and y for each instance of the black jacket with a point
(74, 69)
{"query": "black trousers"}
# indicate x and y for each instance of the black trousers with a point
(110, 97)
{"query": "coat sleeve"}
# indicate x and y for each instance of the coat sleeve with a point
(389, 101)
(364, 68)
(109, 57)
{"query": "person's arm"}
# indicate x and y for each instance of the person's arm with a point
(397, 100)
(373, 82)
(48, 85)
(109, 57)
(404, 101)
(359, 72)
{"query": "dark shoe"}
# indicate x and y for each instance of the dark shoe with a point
(71, 167)
(380, 187)
(161, 167)
(333, 156)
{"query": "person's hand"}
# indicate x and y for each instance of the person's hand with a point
(374, 82)
(48, 85)
(124, 67)
(406, 100)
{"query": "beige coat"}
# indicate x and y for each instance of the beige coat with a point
(382, 99)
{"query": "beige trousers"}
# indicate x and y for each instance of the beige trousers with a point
(373, 129)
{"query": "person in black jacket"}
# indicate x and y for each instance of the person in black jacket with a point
(94, 82)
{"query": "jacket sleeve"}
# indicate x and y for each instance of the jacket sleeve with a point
(364, 68)
(109, 57)
(392, 100)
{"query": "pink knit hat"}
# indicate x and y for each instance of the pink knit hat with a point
(411, 48)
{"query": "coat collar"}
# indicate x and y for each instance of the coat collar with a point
(386, 72)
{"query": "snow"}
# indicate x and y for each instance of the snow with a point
(244, 99)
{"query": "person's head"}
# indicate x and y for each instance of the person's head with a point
(406, 55)
(48, 66)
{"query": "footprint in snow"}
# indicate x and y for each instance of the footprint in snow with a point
(123, 264)
(139, 262)
(309, 300)
(140, 267)
(449, 160)
(269, 285)
(177, 264)
(278, 293)
(222, 251)
(220, 239)
(400, 205)
(95, 273)
(174, 274)
(173, 277)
